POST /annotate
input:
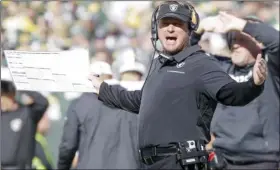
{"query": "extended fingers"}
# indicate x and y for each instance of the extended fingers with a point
(261, 75)
(261, 69)
(262, 66)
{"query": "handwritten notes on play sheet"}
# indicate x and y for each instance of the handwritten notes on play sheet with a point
(63, 71)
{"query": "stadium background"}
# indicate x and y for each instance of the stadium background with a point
(117, 32)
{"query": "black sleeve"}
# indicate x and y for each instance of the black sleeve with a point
(239, 94)
(119, 97)
(267, 35)
(220, 86)
(70, 139)
(39, 107)
(212, 76)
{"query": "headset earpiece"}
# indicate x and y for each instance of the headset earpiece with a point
(194, 17)
(195, 21)
(154, 26)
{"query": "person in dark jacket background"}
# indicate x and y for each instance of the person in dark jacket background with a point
(248, 136)
(43, 158)
(18, 125)
(104, 137)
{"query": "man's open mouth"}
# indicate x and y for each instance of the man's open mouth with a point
(171, 39)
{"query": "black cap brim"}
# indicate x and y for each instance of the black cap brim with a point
(173, 15)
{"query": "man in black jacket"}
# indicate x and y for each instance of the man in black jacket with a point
(248, 136)
(18, 126)
(105, 137)
(184, 84)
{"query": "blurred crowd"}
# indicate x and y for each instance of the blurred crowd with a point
(115, 32)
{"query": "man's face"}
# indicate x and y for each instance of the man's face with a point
(173, 35)
(131, 76)
(7, 102)
(106, 77)
(244, 49)
(102, 56)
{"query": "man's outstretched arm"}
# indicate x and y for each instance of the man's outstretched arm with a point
(220, 86)
(117, 96)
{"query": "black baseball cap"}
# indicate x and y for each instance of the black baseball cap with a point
(174, 10)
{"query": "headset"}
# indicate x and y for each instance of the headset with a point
(194, 20)
(194, 23)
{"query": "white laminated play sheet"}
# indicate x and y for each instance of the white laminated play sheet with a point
(63, 71)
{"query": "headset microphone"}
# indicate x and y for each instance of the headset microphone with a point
(194, 22)
(158, 48)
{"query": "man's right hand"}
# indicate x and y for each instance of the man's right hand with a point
(221, 23)
(95, 81)
(209, 146)
(209, 24)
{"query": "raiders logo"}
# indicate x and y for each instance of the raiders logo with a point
(180, 65)
(173, 7)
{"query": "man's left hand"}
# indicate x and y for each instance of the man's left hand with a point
(260, 70)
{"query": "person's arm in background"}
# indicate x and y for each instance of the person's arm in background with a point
(117, 96)
(37, 103)
(207, 25)
(217, 82)
(267, 35)
(263, 33)
(70, 139)
(40, 159)
(75, 161)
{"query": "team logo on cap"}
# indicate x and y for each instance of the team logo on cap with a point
(173, 7)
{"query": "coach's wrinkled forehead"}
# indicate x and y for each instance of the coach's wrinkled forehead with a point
(174, 11)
